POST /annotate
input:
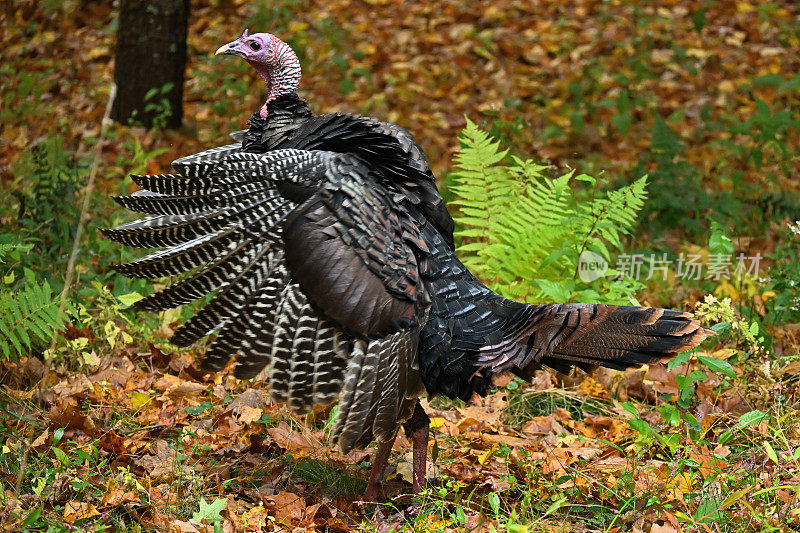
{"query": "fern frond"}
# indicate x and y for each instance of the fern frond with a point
(29, 316)
(524, 232)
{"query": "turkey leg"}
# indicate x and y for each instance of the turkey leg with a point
(417, 428)
(378, 467)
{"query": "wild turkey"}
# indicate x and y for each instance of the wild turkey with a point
(332, 254)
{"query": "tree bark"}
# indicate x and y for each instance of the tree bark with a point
(150, 60)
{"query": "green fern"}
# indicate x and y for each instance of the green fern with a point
(524, 233)
(29, 314)
(5, 249)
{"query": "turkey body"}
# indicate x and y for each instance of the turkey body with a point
(331, 253)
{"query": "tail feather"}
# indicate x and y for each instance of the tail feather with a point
(473, 333)
(631, 336)
(605, 335)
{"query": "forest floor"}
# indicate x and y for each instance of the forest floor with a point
(118, 430)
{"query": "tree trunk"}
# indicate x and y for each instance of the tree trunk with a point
(149, 62)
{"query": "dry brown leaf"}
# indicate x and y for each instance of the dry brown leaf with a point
(666, 527)
(252, 398)
(162, 463)
(477, 414)
(73, 386)
(189, 526)
(41, 439)
(288, 507)
(293, 441)
(175, 387)
(405, 468)
(248, 415)
(77, 510)
(66, 414)
(116, 495)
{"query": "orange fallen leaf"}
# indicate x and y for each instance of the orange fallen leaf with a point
(253, 520)
(116, 495)
(248, 415)
(173, 386)
(293, 441)
(75, 510)
(288, 507)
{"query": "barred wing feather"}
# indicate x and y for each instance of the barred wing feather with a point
(314, 266)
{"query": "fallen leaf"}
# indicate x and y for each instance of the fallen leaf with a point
(41, 439)
(111, 442)
(175, 387)
(139, 399)
(162, 463)
(76, 510)
(666, 527)
(253, 520)
(248, 415)
(116, 495)
(288, 507)
(405, 468)
(293, 441)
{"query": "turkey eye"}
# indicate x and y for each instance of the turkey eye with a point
(255, 45)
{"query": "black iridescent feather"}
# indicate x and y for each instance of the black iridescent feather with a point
(331, 254)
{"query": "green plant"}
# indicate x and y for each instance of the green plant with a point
(109, 323)
(29, 314)
(677, 195)
(782, 299)
(526, 404)
(736, 331)
(530, 235)
(157, 104)
(328, 477)
(46, 211)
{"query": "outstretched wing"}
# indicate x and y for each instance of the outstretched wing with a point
(352, 249)
(314, 266)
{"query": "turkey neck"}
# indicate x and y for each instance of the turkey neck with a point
(284, 114)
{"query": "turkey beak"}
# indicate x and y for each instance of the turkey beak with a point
(231, 49)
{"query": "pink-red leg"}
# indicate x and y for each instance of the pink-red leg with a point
(417, 428)
(419, 440)
(378, 468)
